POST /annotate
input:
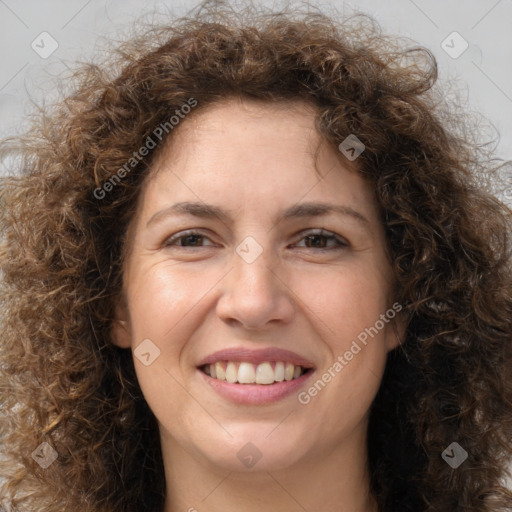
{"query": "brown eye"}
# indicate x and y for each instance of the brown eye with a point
(323, 240)
(187, 239)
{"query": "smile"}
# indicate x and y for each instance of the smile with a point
(267, 372)
(248, 376)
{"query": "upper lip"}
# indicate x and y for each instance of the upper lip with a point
(241, 354)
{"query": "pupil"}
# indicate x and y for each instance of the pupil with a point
(317, 243)
(191, 238)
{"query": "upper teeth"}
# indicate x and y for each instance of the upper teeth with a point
(249, 373)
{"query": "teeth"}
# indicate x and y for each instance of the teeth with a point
(219, 371)
(288, 371)
(265, 374)
(248, 373)
(231, 372)
(279, 371)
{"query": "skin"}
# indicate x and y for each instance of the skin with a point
(255, 160)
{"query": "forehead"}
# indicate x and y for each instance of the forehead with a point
(230, 122)
(244, 152)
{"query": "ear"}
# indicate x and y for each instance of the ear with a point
(396, 329)
(120, 330)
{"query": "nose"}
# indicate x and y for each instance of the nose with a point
(255, 295)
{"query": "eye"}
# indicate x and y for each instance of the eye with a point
(314, 239)
(188, 238)
(320, 239)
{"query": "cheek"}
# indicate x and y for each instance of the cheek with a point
(168, 304)
(164, 302)
(162, 295)
(347, 306)
(343, 303)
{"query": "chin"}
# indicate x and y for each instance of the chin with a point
(250, 450)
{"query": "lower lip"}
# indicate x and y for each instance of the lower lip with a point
(253, 394)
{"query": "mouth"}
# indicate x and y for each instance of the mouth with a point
(252, 377)
(265, 373)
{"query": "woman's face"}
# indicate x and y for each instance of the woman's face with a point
(228, 265)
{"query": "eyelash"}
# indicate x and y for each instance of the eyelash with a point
(329, 236)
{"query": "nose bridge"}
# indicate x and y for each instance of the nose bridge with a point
(253, 294)
(253, 278)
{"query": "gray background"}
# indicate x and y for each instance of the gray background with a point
(482, 74)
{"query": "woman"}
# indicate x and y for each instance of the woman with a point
(242, 271)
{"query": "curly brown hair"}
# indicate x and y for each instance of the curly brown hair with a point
(64, 382)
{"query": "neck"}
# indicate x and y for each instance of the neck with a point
(334, 481)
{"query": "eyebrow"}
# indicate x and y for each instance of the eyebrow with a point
(300, 210)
